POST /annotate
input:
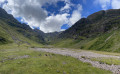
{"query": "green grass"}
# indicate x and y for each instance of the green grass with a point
(39, 63)
(64, 43)
(23, 45)
(108, 61)
(68, 43)
(106, 53)
(109, 42)
(9, 35)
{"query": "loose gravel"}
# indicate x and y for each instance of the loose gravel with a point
(79, 55)
(11, 58)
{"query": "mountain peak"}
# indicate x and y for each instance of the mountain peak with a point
(94, 24)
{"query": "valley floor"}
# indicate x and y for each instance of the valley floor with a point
(51, 61)
(103, 61)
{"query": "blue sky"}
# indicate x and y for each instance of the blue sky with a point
(55, 15)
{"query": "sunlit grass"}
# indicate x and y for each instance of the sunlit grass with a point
(43, 63)
(109, 61)
(107, 53)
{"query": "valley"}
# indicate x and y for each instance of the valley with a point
(91, 45)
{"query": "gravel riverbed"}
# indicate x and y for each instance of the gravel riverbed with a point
(114, 68)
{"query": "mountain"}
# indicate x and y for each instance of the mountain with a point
(97, 23)
(12, 31)
(51, 37)
(99, 31)
(48, 37)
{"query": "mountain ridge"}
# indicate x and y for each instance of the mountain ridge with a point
(99, 31)
(13, 31)
(102, 17)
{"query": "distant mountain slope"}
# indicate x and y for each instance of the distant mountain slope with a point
(12, 31)
(99, 31)
(97, 23)
(48, 37)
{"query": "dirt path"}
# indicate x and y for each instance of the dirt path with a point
(114, 68)
(14, 58)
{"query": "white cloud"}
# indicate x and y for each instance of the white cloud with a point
(104, 3)
(54, 23)
(32, 12)
(116, 4)
(66, 7)
(1, 1)
(76, 15)
(29, 10)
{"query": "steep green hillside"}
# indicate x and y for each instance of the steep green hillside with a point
(105, 42)
(11, 31)
(100, 31)
(97, 23)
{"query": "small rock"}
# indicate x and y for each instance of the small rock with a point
(46, 55)
(58, 71)
(64, 72)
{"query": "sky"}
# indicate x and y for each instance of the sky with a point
(55, 15)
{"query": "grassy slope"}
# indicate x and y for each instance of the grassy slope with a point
(39, 63)
(4, 35)
(108, 61)
(12, 37)
(109, 41)
(102, 32)
(36, 64)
